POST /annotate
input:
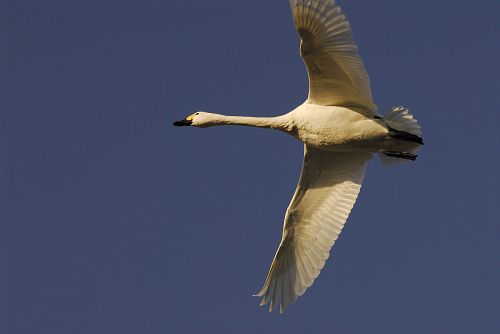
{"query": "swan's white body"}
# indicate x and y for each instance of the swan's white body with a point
(327, 128)
(340, 130)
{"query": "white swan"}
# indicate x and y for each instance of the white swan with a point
(340, 129)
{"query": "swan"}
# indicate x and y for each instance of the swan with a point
(341, 129)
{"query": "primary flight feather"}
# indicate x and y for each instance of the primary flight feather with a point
(340, 129)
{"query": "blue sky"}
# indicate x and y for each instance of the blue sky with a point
(113, 221)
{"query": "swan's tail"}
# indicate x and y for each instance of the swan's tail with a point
(402, 126)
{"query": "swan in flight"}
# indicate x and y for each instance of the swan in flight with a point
(341, 129)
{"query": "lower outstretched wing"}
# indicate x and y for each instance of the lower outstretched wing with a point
(328, 187)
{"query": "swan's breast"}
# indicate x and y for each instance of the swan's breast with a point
(336, 128)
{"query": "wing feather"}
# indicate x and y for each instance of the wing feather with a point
(328, 187)
(336, 72)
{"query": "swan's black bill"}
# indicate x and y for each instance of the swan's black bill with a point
(184, 122)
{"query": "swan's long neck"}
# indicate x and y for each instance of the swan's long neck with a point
(278, 122)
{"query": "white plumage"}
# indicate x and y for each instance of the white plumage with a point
(340, 130)
(328, 187)
(331, 56)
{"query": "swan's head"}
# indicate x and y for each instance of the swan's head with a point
(199, 119)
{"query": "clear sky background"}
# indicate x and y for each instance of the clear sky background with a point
(114, 221)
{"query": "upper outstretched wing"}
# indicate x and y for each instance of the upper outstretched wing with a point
(328, 187)
(336, 72)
